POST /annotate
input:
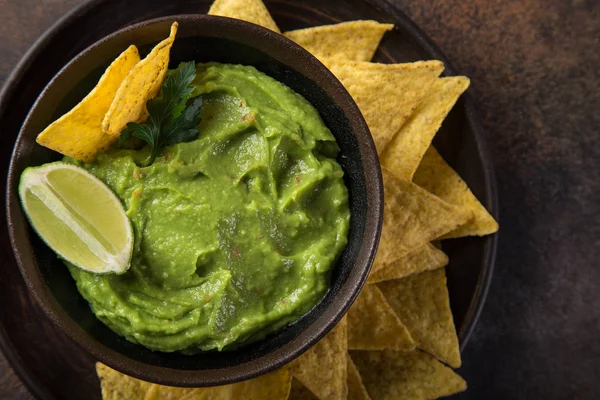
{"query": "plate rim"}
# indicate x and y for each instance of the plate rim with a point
(421, 40)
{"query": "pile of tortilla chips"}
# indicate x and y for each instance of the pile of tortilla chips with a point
(398, 341)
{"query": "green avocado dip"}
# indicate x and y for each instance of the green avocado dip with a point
(235, 232)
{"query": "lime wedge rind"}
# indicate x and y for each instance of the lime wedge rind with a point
(34, 180)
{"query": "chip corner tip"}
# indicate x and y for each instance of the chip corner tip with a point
(174, 28)
(438, 65)
(463, 82)
(100, 368)
(454, 360)
(133, 49)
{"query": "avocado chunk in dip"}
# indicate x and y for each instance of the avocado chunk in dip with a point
(236, 232)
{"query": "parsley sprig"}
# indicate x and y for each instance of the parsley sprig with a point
(170, 119)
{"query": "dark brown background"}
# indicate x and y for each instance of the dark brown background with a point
(534, 70)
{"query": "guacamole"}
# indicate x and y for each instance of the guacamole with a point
(235, 232)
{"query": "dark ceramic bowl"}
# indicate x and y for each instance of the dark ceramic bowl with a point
(203, 38)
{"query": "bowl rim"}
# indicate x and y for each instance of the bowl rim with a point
(291, 349)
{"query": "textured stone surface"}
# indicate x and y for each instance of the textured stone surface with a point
(533, 65)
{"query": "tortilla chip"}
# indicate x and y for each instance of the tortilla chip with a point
(386, 94)
(322, 369)
(426, 258)
(159, 392)
(373, 325)
(412, 217)
(392, 375)
(78, 133)
(253, 11)
(117, 386)
(404, 153)
(301, 392)
(275, 385)
(437, 177)
(422, 304)
(142, 84)
(356, 388)
(354, 40)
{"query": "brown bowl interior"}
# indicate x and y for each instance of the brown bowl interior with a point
(202, 38)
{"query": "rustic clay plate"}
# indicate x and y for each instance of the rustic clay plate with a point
(50, 364)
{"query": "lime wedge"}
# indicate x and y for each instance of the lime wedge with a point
(78, 217)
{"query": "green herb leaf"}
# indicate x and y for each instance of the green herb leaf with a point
(169, 121)
(183, 128)
(174, 93)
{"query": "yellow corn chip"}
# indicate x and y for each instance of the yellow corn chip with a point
(412, 217)
(404, 153)
(424, 259)
(356, 388)
(422, 304)
(354, 40)
(437, 177)
(301, 392)
(253, 11)
(78, 133)
(275, 385)
(322, 369)
(142, 84)
(392, 375)
(159, 392)
(386, 94)
(373, 325)
(117, 386)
